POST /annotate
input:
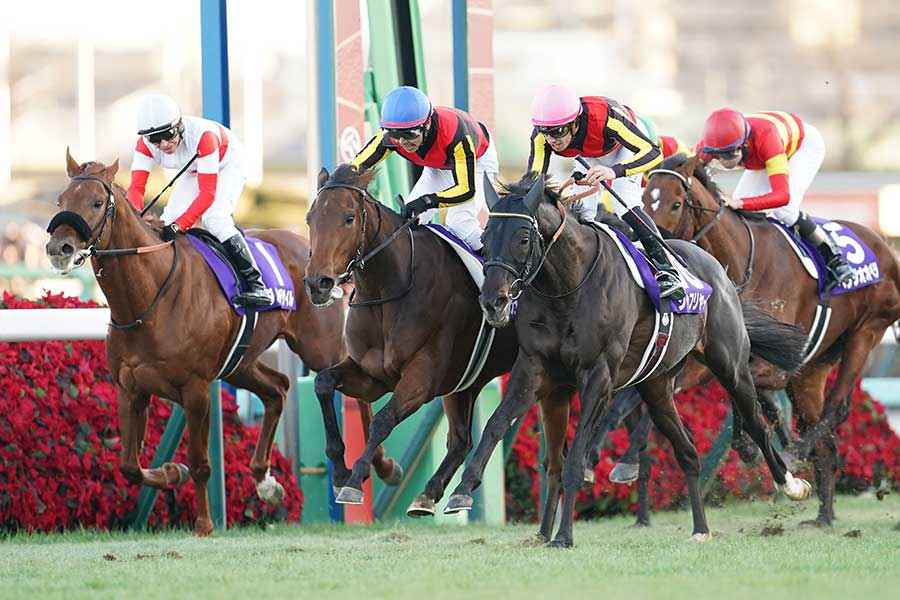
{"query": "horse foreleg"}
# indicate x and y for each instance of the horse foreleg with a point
(387, 469)
(458, 408)
(527, 381)
(195, 401)
(657, 393)
(133, 425)
(411, 392)
(271, 386)
(351, 380)
(594, 391)
(555, 416)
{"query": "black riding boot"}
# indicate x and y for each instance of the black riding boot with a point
(255, 294)
(838, 268)
(670, 283)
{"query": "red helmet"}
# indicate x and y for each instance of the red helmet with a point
(725, 130)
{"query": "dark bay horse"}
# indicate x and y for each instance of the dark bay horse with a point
(681, 198)
(186, 327)
(410, 330)
(583, 323)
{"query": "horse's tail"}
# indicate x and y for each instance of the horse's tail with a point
(776, 342)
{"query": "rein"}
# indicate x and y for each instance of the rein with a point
(359, 260)
(85, 232)
(525, 276)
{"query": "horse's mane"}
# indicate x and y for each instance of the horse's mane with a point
(349, 174)
(701, 173)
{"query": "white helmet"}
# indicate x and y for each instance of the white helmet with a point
(157, 112)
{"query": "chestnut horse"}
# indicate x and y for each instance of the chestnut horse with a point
(682, 199)
(172, 327)
(582, 322)
(411, 329)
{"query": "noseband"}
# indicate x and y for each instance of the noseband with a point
(77, 222)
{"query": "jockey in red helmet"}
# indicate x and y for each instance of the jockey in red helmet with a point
(611, 139)
(781, 155)
(455, 150)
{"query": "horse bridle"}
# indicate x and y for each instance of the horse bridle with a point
(359, 260)
(524, 277)
(85, 232)
(681, 227)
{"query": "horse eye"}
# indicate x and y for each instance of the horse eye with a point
(676, 206)
(98, 203)
(349, 220)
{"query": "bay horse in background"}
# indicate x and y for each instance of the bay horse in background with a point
(411, 329)
(583, 323)
(682, 199)
(173, 327)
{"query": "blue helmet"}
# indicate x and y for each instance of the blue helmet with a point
(404, 108)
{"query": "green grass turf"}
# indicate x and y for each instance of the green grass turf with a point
(758, 551)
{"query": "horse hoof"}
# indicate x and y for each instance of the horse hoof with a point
(271, 492)
(815, 524)
(336, 489)
(176, 473)
(700, 538)
(396, 475)
(457, 503)
(795, 488)
(624, 473)
(559, 544)
(422, 506)
(641, 524)
(349, 495)
(203, 528)
(589, 477)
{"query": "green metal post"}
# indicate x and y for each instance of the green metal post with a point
(311, 469)
(713, 458)
(216, 486)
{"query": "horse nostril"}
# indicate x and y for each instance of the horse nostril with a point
(67, 250)
(325, 284)
(500, 303)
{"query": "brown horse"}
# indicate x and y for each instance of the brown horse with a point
(172, 327)
(411, 330)
(682, 199)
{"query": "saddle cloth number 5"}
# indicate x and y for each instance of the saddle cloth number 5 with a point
(856, 254)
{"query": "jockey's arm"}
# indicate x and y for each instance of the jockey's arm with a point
(372, 153)
(539, 158)
(646, 153)
(207, 178)
(777, 169)
(140, 172)
(462, 153)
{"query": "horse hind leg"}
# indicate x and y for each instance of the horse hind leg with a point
(555, 417)
(195, 400)
(627, 469)
(271, 387)
(387, 469)
(459, 409)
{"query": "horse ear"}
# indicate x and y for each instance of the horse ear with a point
(72, 166)
(111, 170)
(535, 194)
(323, 177)
(692, 163)
(490, 194)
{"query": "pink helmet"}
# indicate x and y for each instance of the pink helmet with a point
(555, 104)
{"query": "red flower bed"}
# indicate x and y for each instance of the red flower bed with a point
(59, 443)
(869, 455)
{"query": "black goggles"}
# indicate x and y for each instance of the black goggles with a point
(557, 131)
(165, 135)
(404, 134)
(723, 154)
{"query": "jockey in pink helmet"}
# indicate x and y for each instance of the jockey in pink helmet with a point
(610, 138)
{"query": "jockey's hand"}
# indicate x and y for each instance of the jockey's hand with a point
(735, 203)
(599, 173)
(170, 231)
(414, 208)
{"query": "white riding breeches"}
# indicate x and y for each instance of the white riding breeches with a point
(803, 166)
(218, 218)
(462, 219)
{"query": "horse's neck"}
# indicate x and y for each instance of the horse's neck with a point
(130, 282)
(391, 264)
(569, 259)
(729, 243)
